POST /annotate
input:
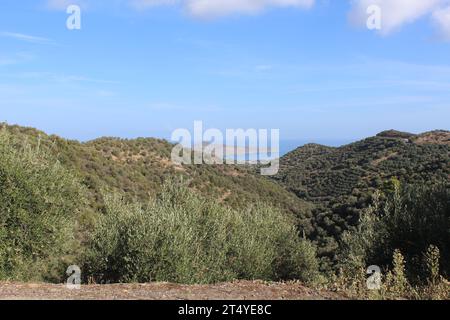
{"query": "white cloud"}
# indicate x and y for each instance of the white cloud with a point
(396, 13)
(144, 4)
(204, 9)
(442, 20)
(218, 8)
(63, 4)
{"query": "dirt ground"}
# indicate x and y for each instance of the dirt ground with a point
(242, 290)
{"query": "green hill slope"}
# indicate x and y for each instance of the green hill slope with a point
(138, 168)
(340, 181)
(324, 187)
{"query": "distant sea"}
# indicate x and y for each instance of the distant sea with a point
(287, 146)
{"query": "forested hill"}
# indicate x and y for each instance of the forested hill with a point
(324, 187)
(340, 181)
(138, 167)
(321, 173)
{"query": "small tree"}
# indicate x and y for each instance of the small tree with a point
(39, 201)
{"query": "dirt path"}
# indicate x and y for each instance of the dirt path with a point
(243, 290)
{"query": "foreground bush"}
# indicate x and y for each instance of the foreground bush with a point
(408, 238)
(413, 219)
(186, 239)
(38, 203)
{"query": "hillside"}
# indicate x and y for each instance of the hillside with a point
(324, 187)
(340, 181)
(117, 209)
(139, 167)
(321, 173)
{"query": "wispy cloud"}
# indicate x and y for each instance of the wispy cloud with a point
(213, 9)
(55, 77)
(164, 106)
(397, 13)
(62, 78)
(264, 67)
(26, 38)
(7, 61)
(15, 58)
(377, 74)
(63, 4)
(105, 93)
(145, 4)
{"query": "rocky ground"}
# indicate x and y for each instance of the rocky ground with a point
(242, 290)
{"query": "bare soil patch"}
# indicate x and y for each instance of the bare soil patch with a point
(242, 290)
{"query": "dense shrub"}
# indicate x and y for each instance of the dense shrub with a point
(413, 219)
(340, 181)
(182, 238)
(38, 203)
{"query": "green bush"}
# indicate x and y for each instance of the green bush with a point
(182, 238)
(38, 203)
(413, 219)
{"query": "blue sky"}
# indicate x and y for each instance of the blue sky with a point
(140, 68)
